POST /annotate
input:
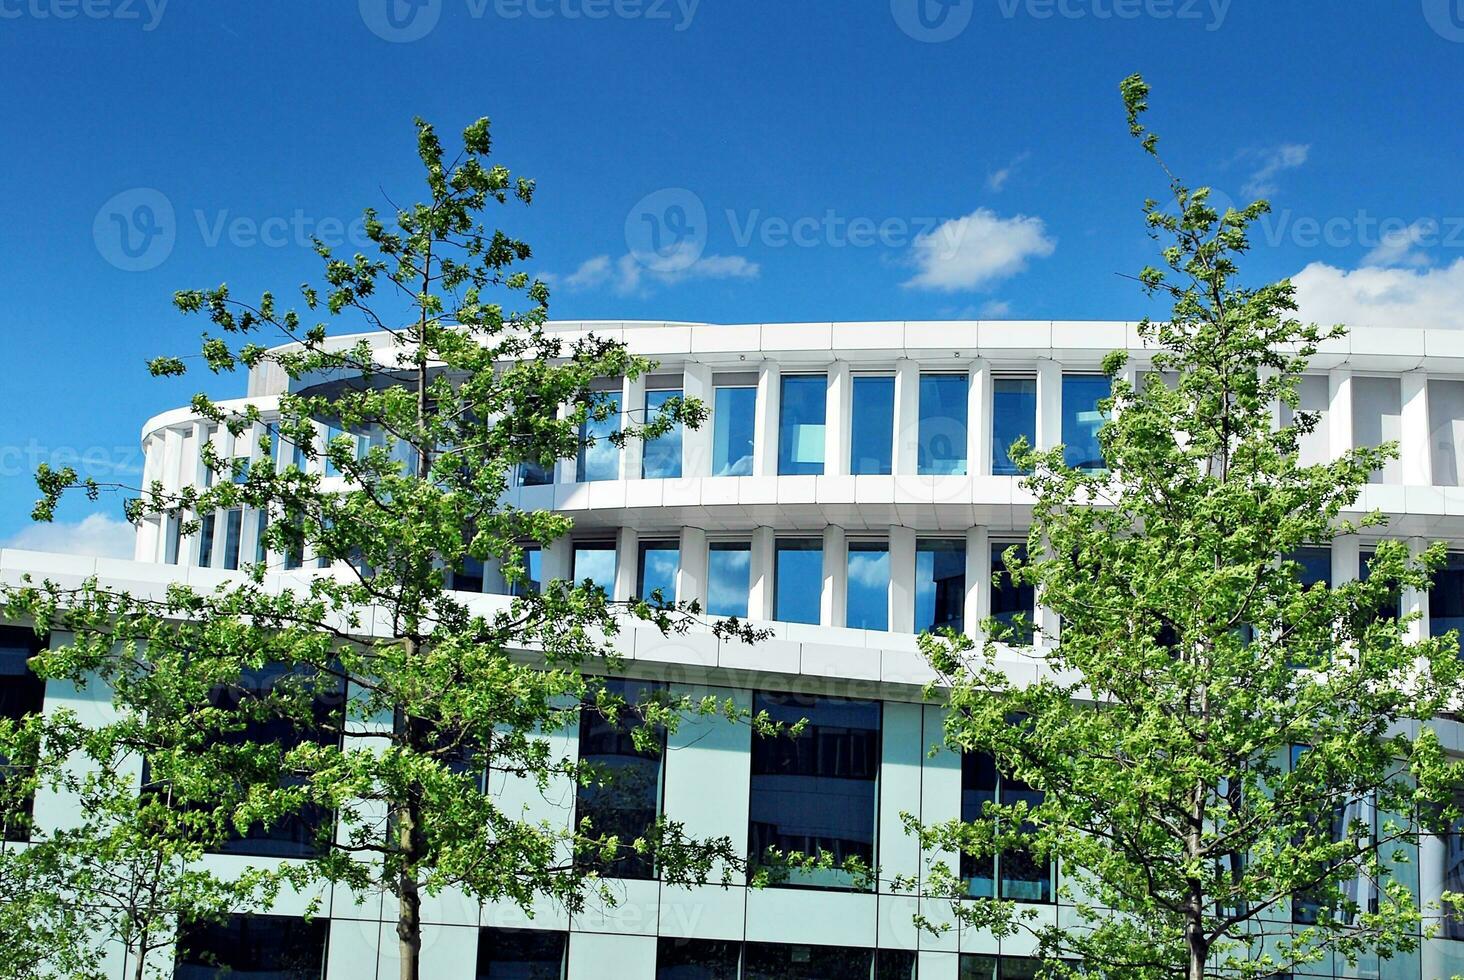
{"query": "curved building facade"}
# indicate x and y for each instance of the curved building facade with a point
(849, 490)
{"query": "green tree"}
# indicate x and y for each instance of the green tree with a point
(1210, 736)
(366, 703)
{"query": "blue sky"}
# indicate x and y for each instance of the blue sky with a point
(854, 161)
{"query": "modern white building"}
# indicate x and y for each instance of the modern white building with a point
(850, 489)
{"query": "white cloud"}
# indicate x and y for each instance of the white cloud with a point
(1270, 163)
(995, 309)
(979, 249)
(997, 179)
(95, 535)
(1379, 297)
(626, 275)
(1398, 245)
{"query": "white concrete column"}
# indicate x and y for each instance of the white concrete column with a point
(1049, 404)
(978, 579)
(1416, 600)
(1346, 558)
(1414, 447)
(558, 559)
(565, 470)
(1433, 860)
(765, 425)
(760, 584)
(834, 596)
(696, 444)
(632, 412)
(1339, 411)
(978, 419)
(838, 419)
(907, 417)
(691, 572)
(902, 580)
(627, 564)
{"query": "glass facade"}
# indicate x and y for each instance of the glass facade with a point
(599, 458)
(1010, 599)
(729, 578)
(595, 561)
(798, 580)
(623, 797)
(659, 563)
(816, 793)
(259, 947)
(943, 407)
(22, 693)
(1446, 597)
(206, 540)
(868, 591)
(940, 585)
(978, 966)
(661, 457)
(533, 581)
(1081, 419)
(802, 413)
(734, 418)
(1014, 875)
(872, 425)
(1013, 416)
(298, 834)
(698, 959)
(521, 954)
(233, 533)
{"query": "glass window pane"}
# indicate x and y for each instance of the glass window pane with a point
(868, 591)
(895, 964)
(943, 402)
(233, 531)
(872, 426)
(623, 797)
(595, 562)
(733, 414)
(659, 563)
(1081, 419)
(1446, 598)
(599, 458)
(776, 961)
(271, 946)
(206, 540)
(22, 693)
(801, 415)
(533, 583)
(1013, 416)
(798, 580)
(815, 794)
(697, 959)
(662, 455)
(261, 544)
(940, 585)
(729, 578)
(978, 787)
(1009, 599)
(1316, 566)
(1024, 878)
(532, 473)
(521, 954)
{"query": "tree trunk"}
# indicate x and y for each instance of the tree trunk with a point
(409, 899)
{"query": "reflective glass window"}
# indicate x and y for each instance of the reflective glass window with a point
(868, 591)
(943, 404)
(940, 585)
(798, 580)
(872, 425)
(729, 578)
(1013, 416)
(802, 412)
